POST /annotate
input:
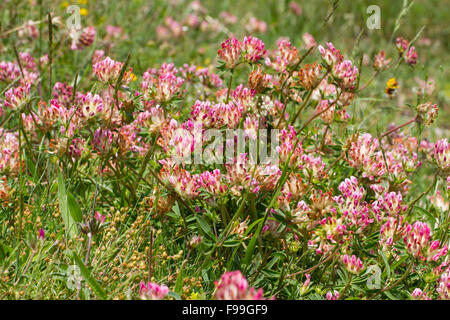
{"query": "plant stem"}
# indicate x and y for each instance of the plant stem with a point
(341, 295)
(230, 81)
(88, 253)
(399, 127)
(50, 53)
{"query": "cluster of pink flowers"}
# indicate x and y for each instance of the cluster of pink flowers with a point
(102, 141)
(442, 155)
(345, 74)
(352, 204)
(90, 106)
(169, 117)
(380, 61)
(390, 204)
(15, 97)
(333, 295)
(353, 264)
(443, 288)
(83, 39)
(8, 71)
(152, 291)
(418, 242)
(217, 115)
(109, 70)
(331, 55)
(30, 30)
(428, 112)
(363, 154)
(255, 25)
(162, 85)
(230, 52)
(406, 50)
(205, 76)
(285, 56)
(9, 152)
(233, 286)
(253, 49)
(391, 231)
(418, 294)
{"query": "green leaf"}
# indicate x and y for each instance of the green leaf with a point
(231, 243)
(87, 276)
(391, 296)
(427, 213)
(179, 283)
(205, 227)
(252, 244)
(388, 268)
(69, 222)
(4, 251)
(74, 208)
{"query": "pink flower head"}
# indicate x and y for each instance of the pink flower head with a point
(442, 155)
(401, 44)
(41, 234)
(8, 71)
(333, 295)
(391, 204)
(418, 294)
(84, 39)
(295, 8)
(9, 152)
(152, 291)
(98, 56)
(256, 26)
(102, 141)
(28, 62)
(228, 18)
(392, 227)
(326, 111)
(15, 97)
(331, 55)
(411, 56)
(212, 182)
(419, 243)
(308, 41)
(113, 31)
(380, 61)
(352, 264)
(77, 147)
(443, 287)
(253, 49)
(230, 52)
(63, 93)
(234, 286)
(30, 30)
(428, 112)
(244, 97)
(286, 55)
(109, 70)
(91, 105)
(345, 74)
(100, 218)
(167, 87)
